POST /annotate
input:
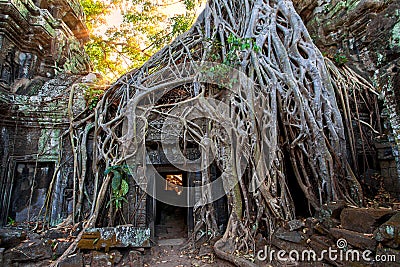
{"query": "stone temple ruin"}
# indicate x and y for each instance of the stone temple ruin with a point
(41, 57)
(42, 61)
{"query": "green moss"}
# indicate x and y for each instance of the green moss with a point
(394, 41)
(21, 8)
(381, 58)
(351, 4)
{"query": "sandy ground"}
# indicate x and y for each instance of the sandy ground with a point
(172, 256)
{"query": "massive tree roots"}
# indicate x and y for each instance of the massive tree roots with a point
(270, 109)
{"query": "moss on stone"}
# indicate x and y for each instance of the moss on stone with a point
(394, 41)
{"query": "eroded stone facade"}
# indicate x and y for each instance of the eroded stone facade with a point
(41, 38)
(365, 36)
(41, 59)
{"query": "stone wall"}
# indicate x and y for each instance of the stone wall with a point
(33, 131)
(364, 35)
(41, 38)
(42, 57)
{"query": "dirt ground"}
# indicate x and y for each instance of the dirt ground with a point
(171, 235)
(172, 256)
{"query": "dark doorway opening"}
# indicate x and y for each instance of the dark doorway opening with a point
(171, 221)
(300, 201)
(31, 181)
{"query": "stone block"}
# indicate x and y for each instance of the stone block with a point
(329, 214)
(101, 259)
(295, 237)
(75, 260)
(114, 237)
(55, 233)
(295, 224)
(11, 237)
(32, 251)
(364, 220)
(358, 240)
(61, 247)
(389, 232)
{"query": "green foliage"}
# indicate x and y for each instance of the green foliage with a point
(218, 74)
(340, 59)
(190, 4)
(143, 31)
(93, 10)
(119, 184)
(93, 95)
(11, 222)
(237, 45)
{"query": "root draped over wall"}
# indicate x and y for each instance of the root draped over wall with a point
(282, 110)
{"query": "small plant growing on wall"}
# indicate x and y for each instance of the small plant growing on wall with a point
(119, 185)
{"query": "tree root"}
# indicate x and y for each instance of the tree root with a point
(240, 262)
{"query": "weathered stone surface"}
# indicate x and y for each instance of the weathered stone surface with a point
(294, 236)
(295, 224)
(310, 223)
(322, 241)
(329, 214)
(61, 247)
(2, 256)
(389, 232)
(358, 240)
(364, 35)
(75, 260)
(43, 39)
(55, 233)
(30, 250)
(205, 250)
(318, 244)
(11, 237)
(335, 208)
(41, 44)
(120, 236)
(171, 242)
(320, 229)
(364, 220)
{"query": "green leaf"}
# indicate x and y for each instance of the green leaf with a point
(116, 181)
(124, 187)
(125, 169)
(108, 203)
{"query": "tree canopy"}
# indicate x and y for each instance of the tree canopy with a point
(144, 27)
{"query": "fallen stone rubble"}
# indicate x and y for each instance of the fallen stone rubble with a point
(374, 229)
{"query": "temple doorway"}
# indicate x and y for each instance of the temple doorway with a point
(171, 221)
